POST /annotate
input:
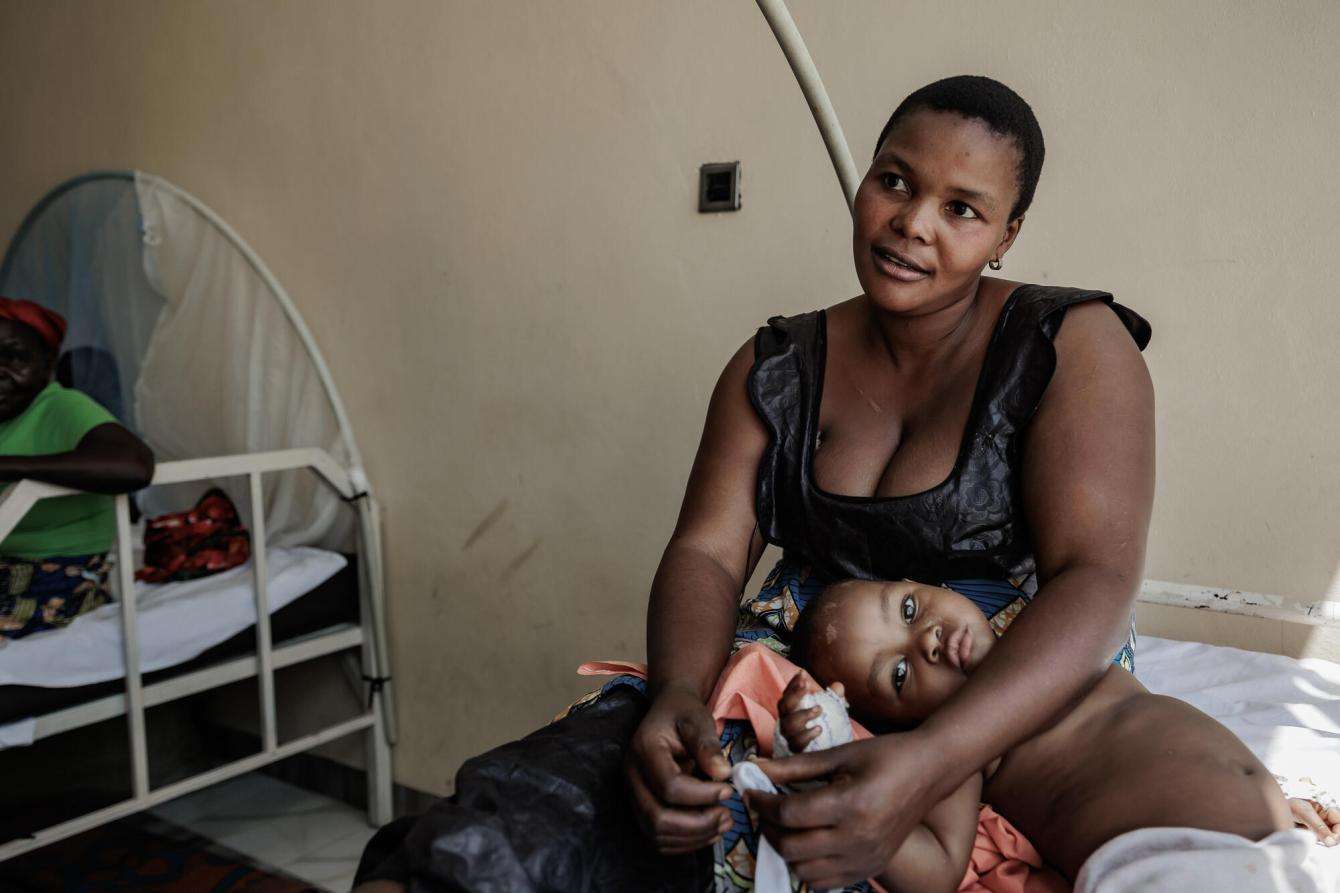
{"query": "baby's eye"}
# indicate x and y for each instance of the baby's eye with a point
(961, 209)
(889, 180)
(899, 674)
(909, 609)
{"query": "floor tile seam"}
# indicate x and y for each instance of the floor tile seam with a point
(331, 843)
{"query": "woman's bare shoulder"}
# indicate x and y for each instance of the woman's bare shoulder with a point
(1093, 341)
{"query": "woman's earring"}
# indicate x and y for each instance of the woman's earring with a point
(994, 264)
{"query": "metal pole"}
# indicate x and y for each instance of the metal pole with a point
(125, 576)
(185, 786)
(802, 66)
(381, 735)
(261, 575)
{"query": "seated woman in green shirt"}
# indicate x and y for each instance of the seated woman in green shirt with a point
(53, 564)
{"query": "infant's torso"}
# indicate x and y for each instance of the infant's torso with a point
(1124, 759)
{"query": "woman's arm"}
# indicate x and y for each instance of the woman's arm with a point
(691, 621)
(108, 459)
(1088, 486)
(933, 857)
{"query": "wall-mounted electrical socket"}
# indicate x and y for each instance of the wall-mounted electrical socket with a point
(719, 186)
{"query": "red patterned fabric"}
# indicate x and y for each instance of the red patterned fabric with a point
(205, 540)
(47, 323)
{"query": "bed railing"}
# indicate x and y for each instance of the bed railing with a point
(378, 721)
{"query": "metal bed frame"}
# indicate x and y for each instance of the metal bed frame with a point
(377, 723)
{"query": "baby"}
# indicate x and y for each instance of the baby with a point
(1121, 759)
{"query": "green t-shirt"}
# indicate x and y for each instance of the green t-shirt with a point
(55, 422)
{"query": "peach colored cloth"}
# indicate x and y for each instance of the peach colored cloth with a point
(612, 668)
(749, 688)
(1003, 861)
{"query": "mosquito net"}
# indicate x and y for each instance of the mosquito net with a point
(180, 331)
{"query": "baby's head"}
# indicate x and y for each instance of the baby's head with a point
(898, 648)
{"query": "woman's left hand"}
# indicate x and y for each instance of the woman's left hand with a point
(849, 829)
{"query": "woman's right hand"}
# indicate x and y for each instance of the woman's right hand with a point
(678, 811)
(847, 830)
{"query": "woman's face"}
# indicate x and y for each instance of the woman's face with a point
(25, 367)
(899, 649)
(938, 195)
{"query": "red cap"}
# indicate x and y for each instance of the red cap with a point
(48, 324)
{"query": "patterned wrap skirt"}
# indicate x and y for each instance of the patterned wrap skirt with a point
(49, 593)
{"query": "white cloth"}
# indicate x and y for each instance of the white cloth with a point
(1191, 860)
(833, 722)
(770, 872)
(177, 621)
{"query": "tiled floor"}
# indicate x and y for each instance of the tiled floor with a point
(307, 835)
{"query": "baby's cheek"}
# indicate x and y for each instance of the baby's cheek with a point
(945, 684)
(871, 705)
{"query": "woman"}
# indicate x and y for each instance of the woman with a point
(52, 564)
(940, 426)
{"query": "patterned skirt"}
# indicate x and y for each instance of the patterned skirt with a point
(49, 593)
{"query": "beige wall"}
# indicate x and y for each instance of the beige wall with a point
(486, 212)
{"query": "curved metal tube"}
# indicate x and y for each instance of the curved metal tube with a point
(793, 46)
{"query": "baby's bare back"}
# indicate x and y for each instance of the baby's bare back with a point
(1124, 759)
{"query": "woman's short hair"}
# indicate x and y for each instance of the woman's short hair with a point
(995, 105)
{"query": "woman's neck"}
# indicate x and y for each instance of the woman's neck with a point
(925, 338)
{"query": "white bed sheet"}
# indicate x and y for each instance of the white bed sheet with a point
(177, 621)
(1286, 711)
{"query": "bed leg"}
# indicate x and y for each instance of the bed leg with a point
(378, 759)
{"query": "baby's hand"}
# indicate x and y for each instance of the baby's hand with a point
(1325, 823)
(799, 725)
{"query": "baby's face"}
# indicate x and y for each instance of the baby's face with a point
(900, 649)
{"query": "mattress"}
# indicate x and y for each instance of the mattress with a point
(1286, 711)
(182, 626)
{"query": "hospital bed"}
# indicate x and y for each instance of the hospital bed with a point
(164, 644)
(190, 341)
